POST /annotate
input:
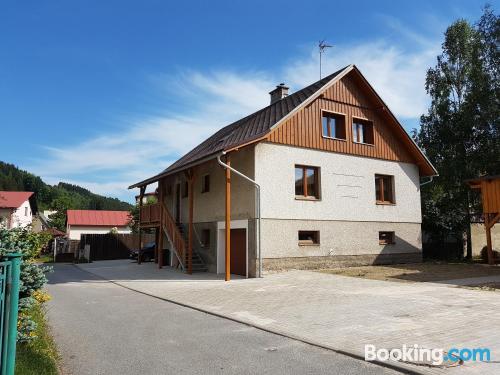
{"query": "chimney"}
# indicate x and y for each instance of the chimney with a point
(280, 92)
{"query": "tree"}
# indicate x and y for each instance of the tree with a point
(460, 131)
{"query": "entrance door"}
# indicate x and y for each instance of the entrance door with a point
(178, 204)
(239, 252)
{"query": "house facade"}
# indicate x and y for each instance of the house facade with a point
(80, 222)
(328, 172)
(15, 209)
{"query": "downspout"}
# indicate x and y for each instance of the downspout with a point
(257, 199)
(427, 182)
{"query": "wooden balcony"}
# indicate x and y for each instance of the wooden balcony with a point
(150, 216)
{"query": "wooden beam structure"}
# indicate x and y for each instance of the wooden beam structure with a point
(159, 244)
(190, 179)
(228, 219)
(141, 196)
(490, 198)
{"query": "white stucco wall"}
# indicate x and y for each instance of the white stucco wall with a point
(21, 217)
(210, 206)
(74, 231)
(347, 186)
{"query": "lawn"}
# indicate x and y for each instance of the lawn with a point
(45, 258)
(418, 272)
(40, 356)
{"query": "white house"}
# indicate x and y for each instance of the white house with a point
(15, 209)
(96, 222)
(339, 181)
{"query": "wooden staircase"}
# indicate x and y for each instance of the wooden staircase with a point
(176, 235)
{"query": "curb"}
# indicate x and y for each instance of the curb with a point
(395, 367)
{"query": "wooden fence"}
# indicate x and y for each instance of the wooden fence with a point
(112, 246)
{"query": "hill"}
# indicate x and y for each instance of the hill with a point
(58, 197)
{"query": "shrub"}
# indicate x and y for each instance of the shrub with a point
(29, 244)
(484, 254)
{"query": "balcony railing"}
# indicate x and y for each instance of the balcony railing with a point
(150, 214)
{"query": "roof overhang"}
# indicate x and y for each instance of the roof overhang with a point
(159, 176)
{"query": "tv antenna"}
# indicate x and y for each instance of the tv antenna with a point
(322, 47)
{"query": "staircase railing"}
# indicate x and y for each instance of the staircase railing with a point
(174, 235)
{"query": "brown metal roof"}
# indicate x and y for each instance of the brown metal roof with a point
(245, 130)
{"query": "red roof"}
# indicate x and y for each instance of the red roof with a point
(98, 218)
(13, 199)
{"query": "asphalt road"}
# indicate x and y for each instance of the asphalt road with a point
(102, 328)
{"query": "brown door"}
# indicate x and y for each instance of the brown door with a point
(239, 252)
(178, 203)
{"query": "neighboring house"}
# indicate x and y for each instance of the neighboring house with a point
(41, 221)
(339, 184)
(151, 197)
(15, 209)
(96, 222)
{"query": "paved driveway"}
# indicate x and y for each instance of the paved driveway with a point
(102, 328)
(338, 312)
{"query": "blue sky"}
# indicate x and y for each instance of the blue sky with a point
(106, 93)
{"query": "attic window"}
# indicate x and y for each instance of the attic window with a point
(362, 131)
(333, 125)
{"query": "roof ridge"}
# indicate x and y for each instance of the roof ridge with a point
(229, 135)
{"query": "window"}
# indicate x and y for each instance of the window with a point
(362, 131)
(205, 184)
(205, 238)
(386, 238)
(306, 181)
(308, 237)
(384, 189)
(185, 190)
(333, 125)
(25, 211)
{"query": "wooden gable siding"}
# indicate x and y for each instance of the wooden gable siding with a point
(304, 129)
(490, 194)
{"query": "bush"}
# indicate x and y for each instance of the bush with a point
(29, 244)
(484, 254)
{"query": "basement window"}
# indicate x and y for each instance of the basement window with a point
(333, 126)
(386, 238)
(308, 237)
(362, 131)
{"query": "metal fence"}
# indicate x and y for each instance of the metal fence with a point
(9, 300)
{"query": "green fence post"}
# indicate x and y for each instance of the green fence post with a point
(13, 306)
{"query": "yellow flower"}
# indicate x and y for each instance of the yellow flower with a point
(41, 296)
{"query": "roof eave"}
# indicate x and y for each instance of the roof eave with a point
(176, 170)
(386, 108)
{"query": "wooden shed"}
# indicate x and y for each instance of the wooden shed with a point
(489, 187)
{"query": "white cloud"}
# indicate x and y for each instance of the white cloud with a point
(396, 75)
(145, 145)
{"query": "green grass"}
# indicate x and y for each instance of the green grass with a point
(45, 258)
(38, 357)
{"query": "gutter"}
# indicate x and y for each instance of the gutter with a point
(257, 201)
(427, 182)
